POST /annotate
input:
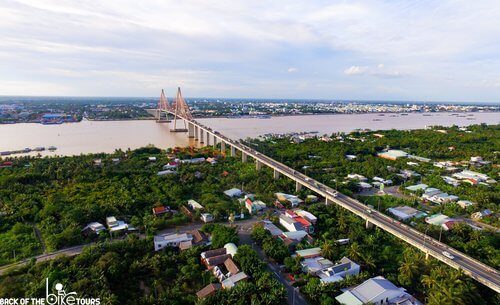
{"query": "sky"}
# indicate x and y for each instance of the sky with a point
(361, 50)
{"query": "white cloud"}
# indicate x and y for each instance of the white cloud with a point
(236, 45)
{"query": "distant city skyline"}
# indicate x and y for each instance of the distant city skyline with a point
(439, 51)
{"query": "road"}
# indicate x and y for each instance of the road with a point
(294, 297)
(472, 267)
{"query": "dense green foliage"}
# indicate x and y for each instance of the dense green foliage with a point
(60, 196)
(122, 272)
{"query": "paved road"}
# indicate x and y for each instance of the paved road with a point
(294, 297)
(475, 269)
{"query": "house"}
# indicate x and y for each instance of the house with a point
(234, 192)
(254, 206)
(451, 181)
(6, 164)
(98, 162)
(207, 217)
(271, 227)
(417, 187)
(408, 173)
(350, 157)
(308, 253)
(211, 160)
(171, 240)
(115, 160)
(465, 203)
(448, 225)
(194, 205)
(199, 238)
(95, 227)
(364, 186)
(481, 214)
(220, 262)
(170, 165)
(208, 290)
(193, 160)
(315, 264)
(311, 198)
(471, 176)
(115, 225)
(356, 177)
(167, 172)
(437, 219)
(292, 199)
(152, 159)
(290, 224)
(405, 212)
(336, 273)
(307, 215)
(157, 211)
(392, 154)
(376, 290)
(294, 237)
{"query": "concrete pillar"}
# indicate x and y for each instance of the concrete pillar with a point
(426, 255)
(196, 132)
(276, 175)
(190, 130)
(368, 224)
(208, 139)
(298, 186)
(201, 135)
(258, 165)
(328, 201)
(223, 147)
(233, 151)
(214, 143)
(244, 157)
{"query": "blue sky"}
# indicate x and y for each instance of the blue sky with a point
(383, 50)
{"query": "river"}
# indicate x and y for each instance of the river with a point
(106, 136)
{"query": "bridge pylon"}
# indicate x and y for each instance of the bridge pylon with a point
(181, 112)
(161, 114)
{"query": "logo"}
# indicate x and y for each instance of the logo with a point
(59, 297)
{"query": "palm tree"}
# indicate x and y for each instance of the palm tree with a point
(327, 249)
(354, 251)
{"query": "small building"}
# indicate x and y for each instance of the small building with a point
(98, 162)
(207, 217)
(254, 206)
(152, 159)
(405, 212)
(437, 219)
(307, 215)
(308, 253)
(157, 211)
(170, 165)
(290, 224)
(171, 240)
(350, 157)
(115, 225)
(465, 203)
(166, 172)
(376, 290)
(193, 160)
(417, 187)
(272, 228)
(481, 214)
(392, 154)
(364, 186)
(231, 281)
(94, 227)
(194, 205)
(336, 273)
(356, 177)
(208, 290)
(234, 192)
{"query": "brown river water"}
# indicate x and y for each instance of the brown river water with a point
(106, 136)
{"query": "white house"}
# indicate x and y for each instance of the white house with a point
(234, 192)
(207, 217)
(404, 212)
(170, 240)
(194, 205)
(290, 224)
(95, 227)
(115, 225)
(376, 290)
(307, 215)
(339, 271)
(465, 203)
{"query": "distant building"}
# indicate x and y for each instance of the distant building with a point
(392, 154)
(234, 192)
(208, 290)
(377, 290)
(481, 214)
(152, 159)
(254, 206)
(357, 177)
(271, 227)
(350, 157)
(465, 203)
(116, 225)
(338, 272)
(417, 187)
(308, 253)
(437, 219)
